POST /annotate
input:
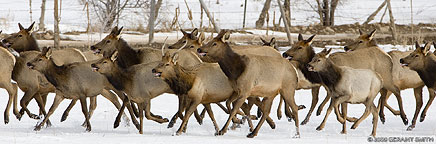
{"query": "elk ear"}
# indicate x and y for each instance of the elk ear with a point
(371, 35)
(20, 26)
(201, 38)
(310, 40)
(272, 42)
(263, 41)
(118, 33)
(226, 36)
(114, 30)
(194, 34)
(360, 32)
(114, 56)
(300, 37)
(1, 31)
(328, 51)
(30, 28)
(426, 48)
(174, 58)
(166, 55)
(46, 51)
(184, 33)
(417, 46)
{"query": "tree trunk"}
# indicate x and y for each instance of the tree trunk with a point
(41, 25)
(392, 22)
(151, 22)
(156, 10)
(371, 17)
(332, 12)
(321, 19)
(261, 21)
(287, 5)
(211, 19)
(56, 25)
(282, 11)
(325, 12)
(30, 10)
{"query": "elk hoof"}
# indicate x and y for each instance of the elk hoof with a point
(137, 125)
(343, 132)
(296, 135)
(88, 128)
(304, 122)
(354, 126)
(251, 135)
(422, 118)
(200, 121)
(48, 124)
(165, 120)
(300, 107)
(116, 124)
(279, 116)
(259, 114)
(34, 116)
(37, 128)
(170, 125)
(289, 119)
(64, 117)
(6, 120)
(319, 128)
(410, 128)
(405, 121)
(382, 119)
(220, 133)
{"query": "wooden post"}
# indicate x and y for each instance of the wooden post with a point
(211, 19)
(56, 25)
(41, 26)
(392, 22)
(288, 33)
(411, 20)
(245, 13)
(151, 23)
(30, 11)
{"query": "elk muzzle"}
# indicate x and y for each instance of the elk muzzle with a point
(156, 74)
(201, 53)
(29, 65)
(286, 56)
(403, 63)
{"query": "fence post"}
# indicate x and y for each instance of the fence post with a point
(203, 5)
(288, 33)
(245, 13)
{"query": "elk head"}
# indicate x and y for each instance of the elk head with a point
(216, 47)
(320, 61)
(416, 59)
(109, 43)
(191, 40)
(42, 61)
(301, 50)
(105, 64)
(363, 41)
(166, 67)
(271, 43)
(21, 40)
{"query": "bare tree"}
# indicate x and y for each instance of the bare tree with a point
(326, 11)
(41, 25)
(56, 24)
(261, 21)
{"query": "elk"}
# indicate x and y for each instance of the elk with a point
(403, 78)
(347, 85)
(375, 59)
(203, 84)
(23, 40)
(424, 63)
(8, 62)
(253, 75)
(137, 82)
(72, 81)
(271, 43)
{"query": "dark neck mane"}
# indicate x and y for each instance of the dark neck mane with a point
(231, 63)
(117, 77)
(182, 82)
(427, 74)
(33, 45)
(127, 55)
(54, 73)
(331, 75)
(312, 76)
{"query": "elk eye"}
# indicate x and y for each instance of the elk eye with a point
(105, 62)
(318, 60)
(214, 44)
(108, 41)
(191, 46)
(360, 41)
(184, 41)
(20, 35)
(40, 59)
(167, 64)
(416, 55)
(300, 48)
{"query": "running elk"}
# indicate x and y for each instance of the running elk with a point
(347, 85)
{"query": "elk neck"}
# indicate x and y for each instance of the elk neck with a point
(117, 77)
(231, 63)
(330, 75)
(54, 74)
(181, 82)
(427, 73)
(127, 55)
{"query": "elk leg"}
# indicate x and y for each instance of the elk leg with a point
(189, 111)
(266, 108)
(279, 108)
(92, 106)
(344, 116)
(400, 105)
(211, 115)
(141, 118)
(41, 105)
(57, 100)
(363, 117)
(67, 111)
(340, 100)
(28, 95)
(329, 110)
(85, 112)
(222, 107)
(238, 103)
(148, 113)
(374, 119)
(431, 93)
(288, 95)
(395, 112)
(418, 98)
(321, 106)
(382, 100)
(126, 103)
(315, 92)
(178, 113)
(11, 88)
